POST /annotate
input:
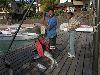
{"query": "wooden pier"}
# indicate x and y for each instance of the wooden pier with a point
(80, 65)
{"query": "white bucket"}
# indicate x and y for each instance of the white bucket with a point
(43, 29)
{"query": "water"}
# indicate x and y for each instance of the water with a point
(16, 44)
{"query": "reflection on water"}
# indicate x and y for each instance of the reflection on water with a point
(16, 44)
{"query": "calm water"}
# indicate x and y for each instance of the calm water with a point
(16, 44)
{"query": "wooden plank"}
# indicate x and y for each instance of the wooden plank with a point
(80, 53)
(2, 72)
(72, 67)
(87, 67)
(77, 59)
(58, 60)
(79, 65)
(2, 65)
(60, 57)
(99, 66)
(66, 67)
(87, 70)
(60, 65)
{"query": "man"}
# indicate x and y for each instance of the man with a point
(51, 34)
(51, 29)
(72, 24)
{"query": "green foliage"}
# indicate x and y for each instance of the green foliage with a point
(59, 12)
(5, 1)
(37, 16)
(46, 4)
(5, 5)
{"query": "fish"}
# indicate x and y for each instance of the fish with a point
(53, 61)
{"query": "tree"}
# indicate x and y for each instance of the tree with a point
(46, 3)
(4, 3)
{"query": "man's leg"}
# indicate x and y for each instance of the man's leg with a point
(72, 43)
(52, 43)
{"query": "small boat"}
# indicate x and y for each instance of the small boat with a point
(7, 35)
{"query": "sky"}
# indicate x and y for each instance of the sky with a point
(62, 1)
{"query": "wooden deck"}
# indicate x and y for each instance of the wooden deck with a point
(80, 65)
(22, 63)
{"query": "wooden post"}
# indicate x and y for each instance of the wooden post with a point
(96, 40)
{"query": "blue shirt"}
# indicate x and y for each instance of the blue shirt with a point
(51, 31)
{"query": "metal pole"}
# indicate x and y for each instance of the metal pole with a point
(98, 15)
(96, 40)
(98, 11)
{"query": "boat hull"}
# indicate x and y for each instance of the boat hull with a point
(18, 37)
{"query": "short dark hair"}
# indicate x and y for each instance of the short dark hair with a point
(70, 13)
(51, 10)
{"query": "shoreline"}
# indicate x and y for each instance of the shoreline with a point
(23, 25)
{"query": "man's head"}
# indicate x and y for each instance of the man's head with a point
(70, 15)
(50, 12)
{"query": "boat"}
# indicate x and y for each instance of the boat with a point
(8, 35)
(24, 36)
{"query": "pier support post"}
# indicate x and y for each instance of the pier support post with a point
(96, 41)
